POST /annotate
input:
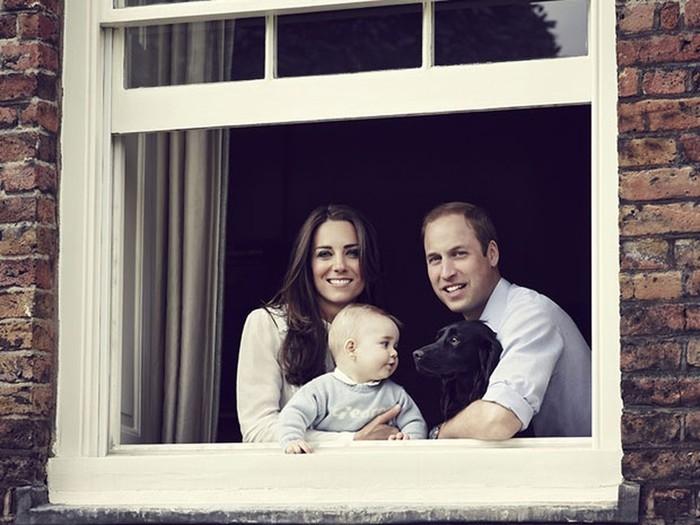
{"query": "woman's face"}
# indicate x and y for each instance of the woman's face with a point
(335, 264)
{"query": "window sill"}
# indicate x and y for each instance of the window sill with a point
(34, 510)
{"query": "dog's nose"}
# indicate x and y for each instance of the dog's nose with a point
(418, 355)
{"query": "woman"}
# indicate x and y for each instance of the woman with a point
(335, 262)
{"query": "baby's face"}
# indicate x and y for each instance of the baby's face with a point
(376, 357)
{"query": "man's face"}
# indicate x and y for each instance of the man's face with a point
(461, 275)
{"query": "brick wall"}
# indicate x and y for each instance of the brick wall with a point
(659, 153)
(29, 75)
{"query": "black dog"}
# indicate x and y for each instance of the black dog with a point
(463, 356)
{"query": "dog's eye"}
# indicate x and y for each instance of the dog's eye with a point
(454, 341)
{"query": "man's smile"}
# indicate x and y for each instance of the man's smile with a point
(454, 287)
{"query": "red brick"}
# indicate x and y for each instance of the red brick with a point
(8, 26)
(662, 183)
(26, 303)
(660, 218)
(684, 47)
(38, 25)
(651, 355)
(691, 147)
(694, 353)
(645, 254)
(636, 18)
(689, 391)
(23, 434)
(673, 502)
(692, 425)
(27, 240)
(628, 82)
(661, 82)
(25, 367)
(661, 464)
(627, 52)
(31, 209)
(28, 55)
(652, 285)
(692, 317)
(657, 391)
(40, 113)
(647, 151)
(630, 118)
(28, 177)
(654, 319)
(19, 146)
(669, 15)
(26, 400)
(692, 13)
(23, 334)
(650, 427)
(672, 114)
(39, 5)
(692, 283)
(25, 272)
(8, 117)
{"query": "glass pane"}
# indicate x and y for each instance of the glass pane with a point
(135, 3)
(468, 31)
(217, 51)
(349, 41)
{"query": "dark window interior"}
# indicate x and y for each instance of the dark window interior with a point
(530, 168)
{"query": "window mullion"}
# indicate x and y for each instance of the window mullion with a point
(270, 47)
(428, 35)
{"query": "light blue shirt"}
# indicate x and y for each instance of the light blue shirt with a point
(334, 403)
(544, 374)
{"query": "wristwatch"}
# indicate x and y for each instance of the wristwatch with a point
(433, 434)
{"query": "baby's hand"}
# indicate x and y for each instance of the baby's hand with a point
(298, 447)
(399, 436)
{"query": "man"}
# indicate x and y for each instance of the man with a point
(543, 378)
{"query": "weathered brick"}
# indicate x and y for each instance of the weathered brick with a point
(8, 117)
(689, 391)
(31, 209)
(38, 25)
(692, 425)
(23, 334)
(650, 427)
(23, 433)
(665, 82)
(692, 283)
(673, 114)
(651, 355)
(635, 18)
(28, 55)
(669, 15)
(661, 183)
(661, 464)
(628, 82)
(692, 13)
(26, 469)
(26, 272)
(684, 47)
(652, 285)
(692, 317)
(630, 119)
(26, 240)
(51, 6)
(693, 356)
(24, 367)
(687, 252)
(691, 147)
(656, 391)
(8, 26)
(645, 254)
(28, 177)
(672, 502)
(40, 113)
(647, 151)
(26, 400)
(660, 218)
(654, 319)
(26, 303)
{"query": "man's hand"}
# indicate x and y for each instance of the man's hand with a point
(399, 436)
(482, 420)
(298, 447)
(378, 429)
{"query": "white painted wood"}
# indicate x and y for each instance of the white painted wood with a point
(359, 95)
(270, 47)
(428, 36)
(223, 9)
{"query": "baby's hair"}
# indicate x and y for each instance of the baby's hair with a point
(347, 321)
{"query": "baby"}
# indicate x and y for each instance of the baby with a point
(363, 340)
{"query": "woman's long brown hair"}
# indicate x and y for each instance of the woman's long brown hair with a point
(303, 353)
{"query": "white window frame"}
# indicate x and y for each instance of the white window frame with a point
(89, 469)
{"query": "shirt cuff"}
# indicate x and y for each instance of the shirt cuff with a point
(509, 398)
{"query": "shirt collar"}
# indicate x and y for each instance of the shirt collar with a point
(339, 374)
(496, 305)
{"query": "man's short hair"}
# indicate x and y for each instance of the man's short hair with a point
(348, 321)
(475, 216)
